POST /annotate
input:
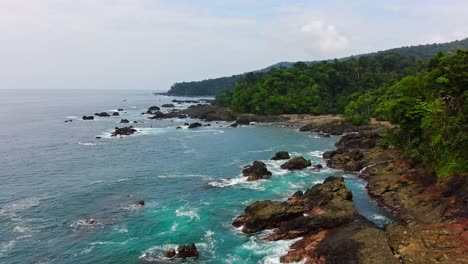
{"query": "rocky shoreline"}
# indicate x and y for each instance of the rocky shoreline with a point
(431, 227)
(431, 215)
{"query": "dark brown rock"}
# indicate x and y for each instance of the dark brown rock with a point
(102, 114)
(170, 253)
(187, 251)
(281, 155)
(298, 163)
(256, 171)
(195, 125)
(123, 131)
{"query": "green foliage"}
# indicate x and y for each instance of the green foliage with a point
(390, 58)
(430, 109)
(321, 88)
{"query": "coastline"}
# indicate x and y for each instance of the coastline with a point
(421, 204)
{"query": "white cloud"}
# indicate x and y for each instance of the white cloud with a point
(149, 44)
(326, 37)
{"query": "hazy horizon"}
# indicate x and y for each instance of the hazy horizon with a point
(149, 45)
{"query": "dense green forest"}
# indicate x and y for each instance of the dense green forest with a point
(430, 109)
(321, 88)
(205, 87)
(218, 85)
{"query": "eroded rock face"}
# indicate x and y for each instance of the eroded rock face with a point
(256, 171)
(316, 208)
(298, 163)
(361, 140)
(355, 242)
(431, 243)
(281, 155)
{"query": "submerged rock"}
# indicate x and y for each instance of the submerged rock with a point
(298, 163)
(256, 171)
(281, 155)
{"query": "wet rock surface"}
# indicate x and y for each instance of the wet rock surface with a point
(258, 170)
(297, 163)
(281, 155)
(326, 219)
(124, 131)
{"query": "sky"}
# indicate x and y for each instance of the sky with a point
(150, 44)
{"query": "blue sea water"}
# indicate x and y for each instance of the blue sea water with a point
(55, 175)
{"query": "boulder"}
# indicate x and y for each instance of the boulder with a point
(142, 203)
(168, 105)
(102, 114)
(256, 171)
(345, 160)
(115, 114)
(124, 131)
(124, 121)
(135, 122)
(281, 155)
(120, 109)
(187, 251)
(298, 163)
(195, 125)
(233, 125)
(88, 118)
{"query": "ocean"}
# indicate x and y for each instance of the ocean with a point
(55, 176)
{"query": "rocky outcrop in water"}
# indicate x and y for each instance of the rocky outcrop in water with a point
(102, 114)
(297, 163)
(124, 131)
(326, 219)
(88, 117)
(124, 121)
(168, 105)
(195, 125)
(157, 115)
(281, 155)
(258, 170)
(115, 114)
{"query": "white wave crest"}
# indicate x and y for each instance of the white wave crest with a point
(20, 205)
(87, 143)
(192, 214)
(271, 250)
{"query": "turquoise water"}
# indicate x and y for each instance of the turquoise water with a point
(55, 175)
